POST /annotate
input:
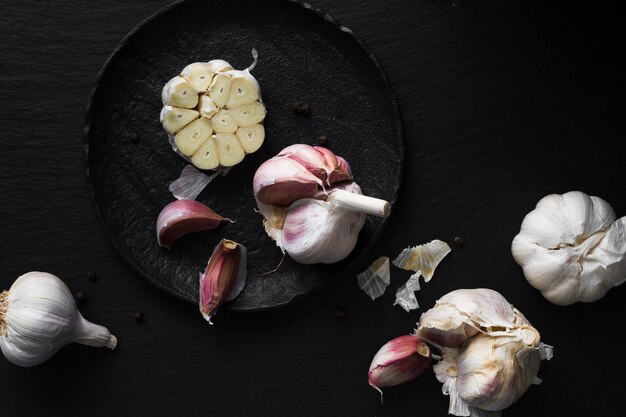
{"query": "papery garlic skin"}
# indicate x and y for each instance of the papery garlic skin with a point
(399, 360)
(38, 316)
(571, 248)
(490, 352)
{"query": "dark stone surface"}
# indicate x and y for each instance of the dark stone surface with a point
(303, 55)
(501, 105)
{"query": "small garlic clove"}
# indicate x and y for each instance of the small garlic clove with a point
(251, 137)
(206, 106)
(207, 156)
(190, 138)
(175, 118)
(198, 74)
(281, 181)
(178, 92)
(182, 217)
(220, 88)
(219, 65)
(309, 158)
(343, 172)
(224, 277)
(223, 122)
(244, 89)
(248, 114)
(375, 279)
(329, 156)
(229, 149)
(424, 258)
(399, 360)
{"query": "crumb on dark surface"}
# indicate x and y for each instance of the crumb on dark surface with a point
(458, 241)
(301, 107)
(91, 276)
(322, 140)
(340, 313)
(80, 297)
(133, 137)
(139, 316)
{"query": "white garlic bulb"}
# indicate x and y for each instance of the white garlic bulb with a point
(571, 248)
(38, 316)
(490, 352)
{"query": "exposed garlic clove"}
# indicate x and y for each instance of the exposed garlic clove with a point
(309, 158)
(399, 360)
(199, 75)
(182, 217)
(244, 89)
(280, 181)
(224, 122)
(343, 171)
(175, 118)
(219, 65)
(220, 88)
(206, 157)
(192, 136)
(330, 158)
(571, 248)
(190, 183)
(224, 277)
(206, 106)
(405, 295)
(424, 258)
(248, 114)
(375, 279)
(251, 137)
(229, 149)
(38, 316)
(178, 92)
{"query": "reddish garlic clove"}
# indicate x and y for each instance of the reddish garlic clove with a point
(182, 217)
(224, 277)
(343, 171)
(280, 181)
(310, 158)
(399, 360)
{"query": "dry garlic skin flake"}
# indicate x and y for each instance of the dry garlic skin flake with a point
(572, 248)
(208, 99)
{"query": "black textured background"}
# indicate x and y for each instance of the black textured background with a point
(501, 105)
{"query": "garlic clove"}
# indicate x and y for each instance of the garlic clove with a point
(199, 75)
(399, 360)
(375, 279)
(206, 157)
(220, 88)
(251, 137)
(190, 183)
(206, 106)
(182, 217)
(343, 172)
(248, 114)
(219, 65)
(244, 89)
(329, 156)
(405, 295)
(224, 277)
(281, 181)
(178, 92)
(423, 258)
(174, 118)
(224, 122)
(309, 158)
(38, 316)
(229, 149)
(193, 136)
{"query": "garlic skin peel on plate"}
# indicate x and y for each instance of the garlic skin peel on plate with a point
(571, 248)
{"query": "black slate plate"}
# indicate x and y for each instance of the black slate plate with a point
(303, 55)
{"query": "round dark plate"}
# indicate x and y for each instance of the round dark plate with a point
(303, 55)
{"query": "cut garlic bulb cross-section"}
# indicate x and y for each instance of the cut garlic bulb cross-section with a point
(214, 113)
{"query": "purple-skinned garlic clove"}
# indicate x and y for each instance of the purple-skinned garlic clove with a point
(182, 217)
(280, 181)
(224, 277)
(399, 360)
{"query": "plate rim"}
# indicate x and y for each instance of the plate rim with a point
(398, 125)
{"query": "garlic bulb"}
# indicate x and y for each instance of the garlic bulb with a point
(38, 316)
(571, 248)
(490, 352)
(312, 223)
(214, 113)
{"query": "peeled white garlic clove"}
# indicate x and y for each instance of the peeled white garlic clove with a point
(399, 360)
(206, 100)
(571, 248)
(38, 316)
(424, 258)
(490, 352)
(182, 217)
(224, 277)
(375, 279)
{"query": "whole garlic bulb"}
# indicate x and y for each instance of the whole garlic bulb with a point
(38, 316)
(571, 248)
(490, 352)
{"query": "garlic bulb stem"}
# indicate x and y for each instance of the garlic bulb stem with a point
(360, 203)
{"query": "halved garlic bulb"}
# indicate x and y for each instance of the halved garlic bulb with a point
(207, 100)
(310, 222)
(571, 248)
